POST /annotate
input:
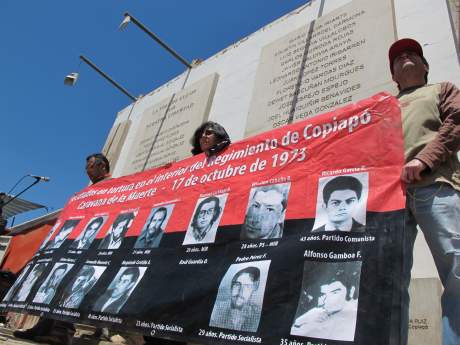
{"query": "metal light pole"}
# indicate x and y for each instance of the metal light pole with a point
(71, 78)
(9, 199)
(129, 18)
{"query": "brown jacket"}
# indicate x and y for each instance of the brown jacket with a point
(431, 125)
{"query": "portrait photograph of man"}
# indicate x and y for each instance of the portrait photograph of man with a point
(154, 227)
(29, 282)
(240, 297)
(62, 234)
(14, 288)
(117, 231)
(80, 286)
(49, 287)
(341, 203)
(51, 233)
(205, 220)
(84, 240)
(328, 302)
(119, 290)
(265, 212)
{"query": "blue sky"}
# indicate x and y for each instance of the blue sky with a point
(48, 128)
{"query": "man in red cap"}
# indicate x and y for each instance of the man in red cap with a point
(431, 125)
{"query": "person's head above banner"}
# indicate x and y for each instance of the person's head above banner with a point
(97, 167)
(408, 65)
(210, 138)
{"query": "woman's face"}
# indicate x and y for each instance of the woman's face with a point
(208, 139)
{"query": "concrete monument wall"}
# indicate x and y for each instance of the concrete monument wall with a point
(330, 62)
(163, 131)
(425, 327)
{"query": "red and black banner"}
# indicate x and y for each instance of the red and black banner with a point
(288, 237)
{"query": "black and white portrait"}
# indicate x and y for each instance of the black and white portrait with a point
(328, 301)
(341, 203)
(119, 290)
(266, 212)
(205, 220)
(240, 297)
(80, 286)
(29, 282)
(62, 234)
(87, 236)
(117, 231)
(154, 227)
(49, 287)
(51, 233)
(17, 284)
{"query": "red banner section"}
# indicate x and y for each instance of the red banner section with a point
(284, 237)
(361, 138)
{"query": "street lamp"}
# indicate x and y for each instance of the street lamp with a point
(16, 205)
(129, 18)
(71, 78)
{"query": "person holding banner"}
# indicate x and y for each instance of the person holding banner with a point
(431, 128)
(210, 138)
(61, 332)
(97, 168)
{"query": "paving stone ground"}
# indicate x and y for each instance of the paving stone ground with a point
(6, 337)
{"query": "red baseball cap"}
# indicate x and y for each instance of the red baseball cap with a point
(404, 44)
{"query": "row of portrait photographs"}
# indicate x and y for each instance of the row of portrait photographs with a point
(238, 304)
(327, 306)
(328, 303)
(112, 239)
(264, 218)
(111, 301)
(341, 206)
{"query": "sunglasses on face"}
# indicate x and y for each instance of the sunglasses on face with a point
(208, 131)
